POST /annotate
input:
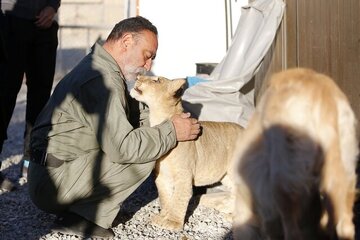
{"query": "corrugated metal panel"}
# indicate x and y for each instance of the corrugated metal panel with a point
(323, 35)
(329, 42)
(273, 62)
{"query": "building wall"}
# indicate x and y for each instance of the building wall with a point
(82, 22)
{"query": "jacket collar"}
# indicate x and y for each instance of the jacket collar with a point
(99, 51)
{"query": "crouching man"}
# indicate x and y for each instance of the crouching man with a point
(90, 146)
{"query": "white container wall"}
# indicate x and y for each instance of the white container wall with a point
(190, 32)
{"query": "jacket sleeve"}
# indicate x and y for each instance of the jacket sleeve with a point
(144, 115)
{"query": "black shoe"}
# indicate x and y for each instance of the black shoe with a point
(73, 224)
(5, 184)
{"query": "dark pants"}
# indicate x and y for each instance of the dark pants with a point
(31, 51)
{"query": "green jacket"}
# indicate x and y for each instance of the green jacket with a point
(89, 111)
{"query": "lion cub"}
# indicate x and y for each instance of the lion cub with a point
(200, 162)
(296, 162)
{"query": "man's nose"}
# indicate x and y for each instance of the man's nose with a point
(148, 64)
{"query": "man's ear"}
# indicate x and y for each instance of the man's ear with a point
(127, 40)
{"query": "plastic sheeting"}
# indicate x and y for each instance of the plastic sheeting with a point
(220, 98)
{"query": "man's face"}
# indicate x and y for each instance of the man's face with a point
(140, 54)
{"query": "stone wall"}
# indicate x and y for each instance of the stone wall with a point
(82, 22)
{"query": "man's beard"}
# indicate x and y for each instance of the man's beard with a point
(131, 73)
(131, 76)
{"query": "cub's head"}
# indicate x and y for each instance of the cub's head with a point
(151, 89)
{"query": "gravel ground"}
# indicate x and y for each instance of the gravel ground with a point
(20, 219)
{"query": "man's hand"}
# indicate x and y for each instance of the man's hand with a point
(186, 128)
(45, 18)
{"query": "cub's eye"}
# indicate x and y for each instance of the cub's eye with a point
(156, 80)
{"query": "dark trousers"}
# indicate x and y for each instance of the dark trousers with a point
(31, 51)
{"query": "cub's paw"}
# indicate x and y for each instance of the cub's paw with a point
(157, 219)
(165, 223)
(345, 229)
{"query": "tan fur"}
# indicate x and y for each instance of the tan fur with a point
(201, 162)
(296, 162)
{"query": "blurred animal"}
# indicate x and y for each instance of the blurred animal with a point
(296, 162)
(201, 162)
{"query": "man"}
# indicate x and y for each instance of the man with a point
(31, 42)
(88, 155)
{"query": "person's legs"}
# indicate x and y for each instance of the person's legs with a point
(40, 73)
(3, 72)
(90, 187)
(44, 193)
(103, 204)
(16, 40)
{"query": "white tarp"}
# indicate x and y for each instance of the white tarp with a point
(220, 99)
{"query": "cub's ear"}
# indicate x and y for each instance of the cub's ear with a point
(177, 86)
(178, 83)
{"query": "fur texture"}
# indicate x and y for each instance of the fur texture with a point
(201, 162)
(296, 162)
